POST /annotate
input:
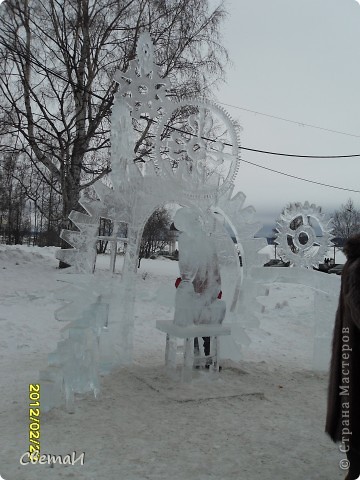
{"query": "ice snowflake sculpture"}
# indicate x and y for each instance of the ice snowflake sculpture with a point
(141, 84)
(193, 163)
(298, 240)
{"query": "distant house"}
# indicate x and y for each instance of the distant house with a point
(338, 242)
(271, 240)
(268, 232)
(173, 237)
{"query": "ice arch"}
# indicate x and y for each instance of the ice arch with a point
(186, 168)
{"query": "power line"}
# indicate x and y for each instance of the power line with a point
(58, 75)
(273, 170)
(264, 151)
(296, 122)
(32, 60)
(299, 156)
(300, 178)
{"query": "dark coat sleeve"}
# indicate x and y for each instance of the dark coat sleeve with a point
(352, 292)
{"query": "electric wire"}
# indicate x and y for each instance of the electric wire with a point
(268, 152)
(300, 178)
(272, 169)
(58, 75)
(296, 122)
(299, 156)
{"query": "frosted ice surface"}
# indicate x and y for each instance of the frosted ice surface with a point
(304, 235)
(74, 366)
(196, 298)
(326, 290)
(101, 311)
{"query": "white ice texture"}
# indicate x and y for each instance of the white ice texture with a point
(304, 235)
(188, 170)
(197, 295)
(326, 290)
(202, 181)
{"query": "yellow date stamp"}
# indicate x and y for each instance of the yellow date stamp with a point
(34, 419)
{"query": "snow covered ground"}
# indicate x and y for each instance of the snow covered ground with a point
(259, 419)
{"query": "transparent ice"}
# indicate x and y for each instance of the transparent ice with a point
(198, 175)
(188, 170)
(299, 241)
(197, 299)
(326, 290)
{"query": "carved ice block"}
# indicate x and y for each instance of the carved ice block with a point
(188, 334)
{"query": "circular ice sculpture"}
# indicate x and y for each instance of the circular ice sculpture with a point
(304, 235)
(194, 149)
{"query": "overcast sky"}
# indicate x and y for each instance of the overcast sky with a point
(300, 60)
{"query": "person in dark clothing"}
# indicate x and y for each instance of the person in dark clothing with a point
(343, 407)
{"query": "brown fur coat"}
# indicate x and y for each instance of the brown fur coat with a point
(343, 410)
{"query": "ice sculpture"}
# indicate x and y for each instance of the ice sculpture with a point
(325, 289)
(298, 240)
(304, 237)
(197, 299)
(211, 164)
(194, 162)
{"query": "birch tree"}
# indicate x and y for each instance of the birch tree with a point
(57, 62)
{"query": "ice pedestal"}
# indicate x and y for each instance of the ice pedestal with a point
(187, 334)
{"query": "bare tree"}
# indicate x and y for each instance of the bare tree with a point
(156, 233)
(346, 220)
(15, 220)
(40, 198)
(57, 63)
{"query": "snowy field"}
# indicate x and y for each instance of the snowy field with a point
(259, 419)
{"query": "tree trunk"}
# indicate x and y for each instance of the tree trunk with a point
(70, 198)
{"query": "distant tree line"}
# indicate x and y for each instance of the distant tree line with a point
(30, 204)
(346, 220)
